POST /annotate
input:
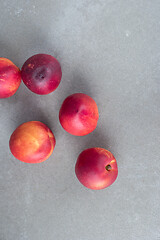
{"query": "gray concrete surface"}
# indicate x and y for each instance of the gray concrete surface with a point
(109, 49)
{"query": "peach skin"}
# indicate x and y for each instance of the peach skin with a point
(32, 142)
(79, 114)
(41, 73)
(96, 168)
(10, 78)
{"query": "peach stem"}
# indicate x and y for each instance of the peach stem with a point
(108, 167)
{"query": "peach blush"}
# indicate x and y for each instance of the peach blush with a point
(10, 78)
(78, 114)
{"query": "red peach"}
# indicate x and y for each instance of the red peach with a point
(96, 168)
(10, 78)
(32, 142)
(41, 73)
(79, 114)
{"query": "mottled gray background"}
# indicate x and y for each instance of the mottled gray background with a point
(109, 49)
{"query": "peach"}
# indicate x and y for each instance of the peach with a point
(32, 142)
(41, 73)
(96, 168)
(10, 78)
(79, 114)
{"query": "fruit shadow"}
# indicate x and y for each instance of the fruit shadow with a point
(31, 110)
(6, 51)
(98, 138)
(34, 41)
(79, 83)
(28, 108)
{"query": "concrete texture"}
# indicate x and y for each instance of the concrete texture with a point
(109, 49)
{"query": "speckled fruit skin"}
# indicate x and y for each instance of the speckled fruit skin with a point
(10, 78)
(32, 142)
(96, 168)
(41, 73)
(79, 114)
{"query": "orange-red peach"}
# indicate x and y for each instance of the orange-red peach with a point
(10, 78)
(96, 168)
(79, 114)
(32, 142)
